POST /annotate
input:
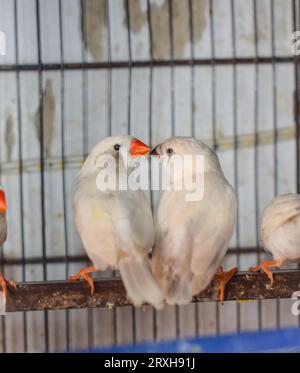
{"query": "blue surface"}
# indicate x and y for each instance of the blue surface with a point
(284, 340)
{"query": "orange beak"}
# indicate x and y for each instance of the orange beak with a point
(138, 148)
(2, 201)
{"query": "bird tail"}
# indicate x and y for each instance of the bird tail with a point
(179, 291)
(139, 282)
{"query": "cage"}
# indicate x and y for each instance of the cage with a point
(75, 71)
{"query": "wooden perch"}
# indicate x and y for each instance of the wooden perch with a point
(54, 295)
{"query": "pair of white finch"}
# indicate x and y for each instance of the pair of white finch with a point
(189, 241)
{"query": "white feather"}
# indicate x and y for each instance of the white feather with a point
(117, 229)
(192, 237)
(280, 227)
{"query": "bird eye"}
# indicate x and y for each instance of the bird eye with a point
(117, 147)
(170, 150)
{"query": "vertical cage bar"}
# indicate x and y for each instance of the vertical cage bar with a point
(20, 161)
(213, 66)
(109, 94)
(275, 159)
(85, 82)
(256, 160)
(191, 29)
(64, 181)
(85, 123)
(129, 66)
(129, 129)
(235, 144)
(213, 99)
(109, 68)
(42, 164)
(172, 67)
(173, 118)
(150, 129)
(296, 27)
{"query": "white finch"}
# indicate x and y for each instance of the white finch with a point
(3, 234)
(116, 226)
(280, 232)
(192, 237)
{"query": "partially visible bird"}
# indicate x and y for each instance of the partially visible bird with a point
(4, 283)
(192, 237)
(116, 226)
(280, 232)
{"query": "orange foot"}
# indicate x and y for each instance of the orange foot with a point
(264, 266)
(224, 278)
(84, 274)
(4, 285)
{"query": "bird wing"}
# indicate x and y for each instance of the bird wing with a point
(192, 238)
(211, 242)
(112, 222)
(95, 227)
(132, 219)
(281, 209)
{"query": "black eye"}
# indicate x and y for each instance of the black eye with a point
(170, 151)
(117, 147)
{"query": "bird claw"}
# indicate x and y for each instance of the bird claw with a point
(84, 274)
(4, 284)
(224, 278)
(265, 267)
(76, 277)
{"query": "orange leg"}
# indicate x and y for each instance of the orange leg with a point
(4, 285)
(224, 278)
(84, 274)
(264, 266)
